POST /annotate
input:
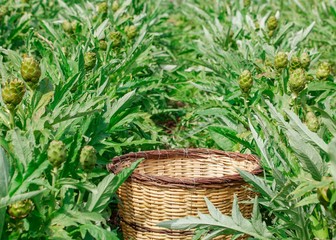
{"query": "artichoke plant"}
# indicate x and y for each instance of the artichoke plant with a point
(88, 158)
(297, 80)
(323, 71)
(131, 31)
(305, 60)
(116, 38)
(30, 71)
(57, 153)
(12, 93)
(20, 209)
(102, 8)
(272, 23)
(312, 122)
(115, 6)
(294, 63)
(280, 60)
(90, 59)
(245, 81)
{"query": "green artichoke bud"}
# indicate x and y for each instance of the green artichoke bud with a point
(247, 3)
(297, 80)
(245, 81)
(256, 25)
(65, 51)
(324, 194)
(272, 23)
(305, 60)
(74, 26)
(3, 11)
(280, 60)
(21, 209)
(102, 8)
(295, 63)
(312, 122)
(67, 27)
(268, 62)
(88, 158)
(57, 153)
(12, 93)
(115, 6)
(323, 71)
(90, 59)
(271, 33)
(309, 78)
(131, 31)
(102, 45)
(116, 38)
(30, 71)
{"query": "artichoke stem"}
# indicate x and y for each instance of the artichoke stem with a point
(283, 88)
(295, 104)
(54, 175)
(80, 198)
(80, 193)
(11, 118)
(247, 109)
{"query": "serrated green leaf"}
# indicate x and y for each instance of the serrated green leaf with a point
(4, 181)
(22, 145)
(214, 212)
(77, 184)
(107, 187)
(67, 217)
(33, 172)
(312, 199)
(215, 233)
(304, 132)
(97, 232)
(99, 32)
(7, 200)
(50, 30)
(257, 183)
(261, 145)
(229, 134)
(321, 86)
(58, 233)
(307, 186)
(223, 142)
(308, 155)
(301, 35)
(332, 158)
(4, 176)
(237, 216)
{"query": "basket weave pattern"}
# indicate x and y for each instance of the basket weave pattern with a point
(172, 184)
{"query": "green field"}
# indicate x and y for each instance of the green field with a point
(85, 81)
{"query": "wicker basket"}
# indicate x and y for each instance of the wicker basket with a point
(172, 184)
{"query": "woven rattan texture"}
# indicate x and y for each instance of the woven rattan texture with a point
(172, 184)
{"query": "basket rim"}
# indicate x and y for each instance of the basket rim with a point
(120, 162)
